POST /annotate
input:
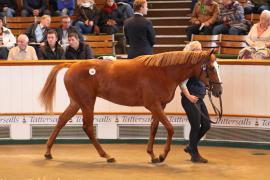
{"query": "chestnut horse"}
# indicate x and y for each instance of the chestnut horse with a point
(148, 81)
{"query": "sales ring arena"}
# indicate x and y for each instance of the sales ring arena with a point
(237, 147)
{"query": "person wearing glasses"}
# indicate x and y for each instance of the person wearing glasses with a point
(65, 29)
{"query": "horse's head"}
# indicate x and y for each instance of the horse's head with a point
(209, 74)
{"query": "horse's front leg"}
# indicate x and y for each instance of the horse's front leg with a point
(159, 114)
(153, 131)
(70, 111)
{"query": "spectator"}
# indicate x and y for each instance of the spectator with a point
(256, 6)
(8, 8)
(65, 29)
(111, 18)
(125, 8)
(203, 17)
(34, 8)
(232, 19)
(258, 39)
(62, 7)
(130, 2)
(139, 32)
(7, 40)
(22, 51)
(88, 15)
(77, 49)
(37, 32)
(51, 50)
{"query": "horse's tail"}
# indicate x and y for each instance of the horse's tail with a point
(48, 91)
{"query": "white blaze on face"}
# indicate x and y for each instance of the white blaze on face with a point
(217, 70)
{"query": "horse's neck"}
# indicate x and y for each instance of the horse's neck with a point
(180, 72)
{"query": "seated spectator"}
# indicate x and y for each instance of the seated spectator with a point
(77, 49)
(130, 2)
(37, 32)
(34, 8)
(203, 17)
(258, 39)
(256, 6)
(51, 50)
(7, 40)
(88, 15)
(8, 8)
(22, 51)
(125, 8)
(62, 7)
(64, 30)
(232, 19)
(110, 18)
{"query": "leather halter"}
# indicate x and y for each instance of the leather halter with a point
(209, 89)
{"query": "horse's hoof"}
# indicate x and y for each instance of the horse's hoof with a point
(111, 160)
(48, 156)
(161, 158)
(156, 160)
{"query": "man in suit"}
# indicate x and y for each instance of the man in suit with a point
(139, 31)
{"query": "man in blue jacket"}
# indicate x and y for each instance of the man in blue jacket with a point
(139, 31)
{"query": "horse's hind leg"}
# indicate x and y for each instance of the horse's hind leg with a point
(88, 127)
(70, 111)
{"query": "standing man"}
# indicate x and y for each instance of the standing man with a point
(139, 31)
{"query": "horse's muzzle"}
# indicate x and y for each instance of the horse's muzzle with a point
(217, 90)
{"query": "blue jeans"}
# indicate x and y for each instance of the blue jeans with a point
(222, 29)
(82, 28)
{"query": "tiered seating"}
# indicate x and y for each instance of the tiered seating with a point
(207, 41)
(226, 46)
(253, 18)
(230, 45)
(102, 45)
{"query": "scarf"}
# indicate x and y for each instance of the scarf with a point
(109, 9)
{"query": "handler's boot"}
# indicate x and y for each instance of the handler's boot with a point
(195, 156)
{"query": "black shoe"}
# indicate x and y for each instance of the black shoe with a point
(198, 159)
(195, 156)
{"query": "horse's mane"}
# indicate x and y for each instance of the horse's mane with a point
(172, 58)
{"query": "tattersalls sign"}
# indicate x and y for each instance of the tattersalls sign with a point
(227, 121)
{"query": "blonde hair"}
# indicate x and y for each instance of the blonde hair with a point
(193, 46)
(45, 17)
